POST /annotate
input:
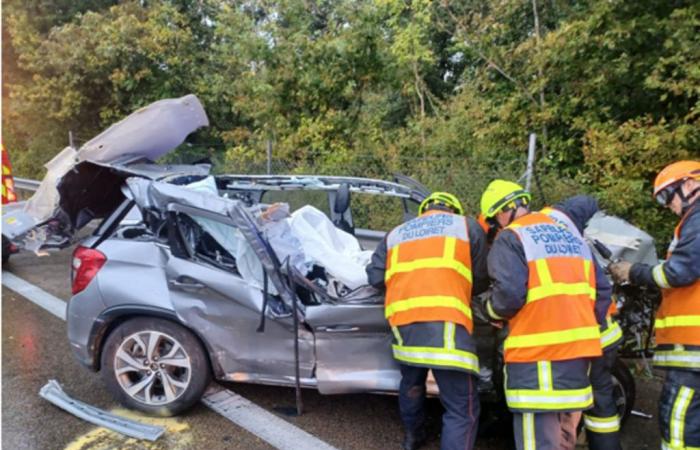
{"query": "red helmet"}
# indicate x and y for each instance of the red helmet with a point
(671, 176)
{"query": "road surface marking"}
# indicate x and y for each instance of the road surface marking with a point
(35, 294)
(178, 435)
(277, 432)
(244, 413)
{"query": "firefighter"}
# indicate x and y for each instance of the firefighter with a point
(601, 422)
(543, 285)
(677, 324)
(431, 266)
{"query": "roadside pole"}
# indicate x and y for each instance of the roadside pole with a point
(530, 161)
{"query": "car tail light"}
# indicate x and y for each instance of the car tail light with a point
(86, 263)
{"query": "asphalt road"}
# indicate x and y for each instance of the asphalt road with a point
(35, 349)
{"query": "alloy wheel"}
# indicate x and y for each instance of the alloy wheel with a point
(152, 367)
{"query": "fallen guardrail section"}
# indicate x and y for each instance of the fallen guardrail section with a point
(53, 392)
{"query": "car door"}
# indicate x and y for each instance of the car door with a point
(353, 348)
(211, 277)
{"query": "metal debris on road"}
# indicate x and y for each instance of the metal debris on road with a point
(53, 392)
(641, 414)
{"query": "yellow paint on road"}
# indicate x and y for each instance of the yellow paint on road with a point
(177, 435)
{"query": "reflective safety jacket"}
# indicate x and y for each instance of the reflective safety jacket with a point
(429, 271)
(553, 329)
(678, 318)
(426, 265)
(557, 321)
(610, 331)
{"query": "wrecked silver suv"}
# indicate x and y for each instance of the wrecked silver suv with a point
(241, 278)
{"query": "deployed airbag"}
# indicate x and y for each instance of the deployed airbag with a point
(325, 245)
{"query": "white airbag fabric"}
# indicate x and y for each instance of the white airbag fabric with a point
(325, 245)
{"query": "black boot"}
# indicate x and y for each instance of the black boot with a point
(413, 439)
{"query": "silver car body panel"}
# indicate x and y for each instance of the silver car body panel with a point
(624, 240)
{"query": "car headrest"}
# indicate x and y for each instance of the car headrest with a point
(342, 199)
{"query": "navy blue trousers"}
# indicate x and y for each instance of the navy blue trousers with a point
(458, 395)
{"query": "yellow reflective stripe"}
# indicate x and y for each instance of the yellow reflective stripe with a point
(450, 247)
(441, 357)
(4, 190)
(666, 446)
(550, 290)
(552, 337)
(677, 358)
(678, 321)
(602, 424)
(491, 312)
(429, 263)
(543, 272)
(660, 276)
(680, 408)
(555, 400)
(544, 375)
(394, 263)
(587, 269)
(397, 335)
(428, 301)
(5, 170)
(447, 261)
(611, 335)
(529, 441)
(448, 335)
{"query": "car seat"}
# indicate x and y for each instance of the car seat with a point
(341, 208)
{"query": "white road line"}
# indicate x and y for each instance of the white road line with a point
(277, 432)
(244, 413)
(35, 294)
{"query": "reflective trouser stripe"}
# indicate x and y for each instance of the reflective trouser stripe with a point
(611, 335)
(544, 375)
(660, 276)
(666, 446)
(435, 356)
(431, 301)
(678, 321)
(552, 337)
(397, 335)
(677, 424)
(602, 424)
(555, 400)
(529, 442)
(677, 358)
(448, 335)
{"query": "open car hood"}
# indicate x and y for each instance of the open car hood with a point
(85, 184)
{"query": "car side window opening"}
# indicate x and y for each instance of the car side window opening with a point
(380, 212)
(298, 198)
(211, 242)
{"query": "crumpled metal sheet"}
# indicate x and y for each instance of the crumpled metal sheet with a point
(53, 392)
(624, 240)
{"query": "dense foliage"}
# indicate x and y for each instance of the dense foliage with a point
(444, 91)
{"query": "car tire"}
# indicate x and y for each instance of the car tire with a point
(155, 366)
(625, 390)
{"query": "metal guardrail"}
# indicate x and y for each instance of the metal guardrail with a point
(27, 184)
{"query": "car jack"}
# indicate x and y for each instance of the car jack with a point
(53, 392)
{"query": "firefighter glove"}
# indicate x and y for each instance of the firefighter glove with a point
(620, 271)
